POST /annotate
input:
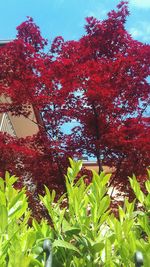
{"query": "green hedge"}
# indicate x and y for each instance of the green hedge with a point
(83, 230)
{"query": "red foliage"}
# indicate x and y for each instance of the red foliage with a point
(99, 80)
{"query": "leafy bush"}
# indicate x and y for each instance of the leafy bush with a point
(16, 238)
(83, 229)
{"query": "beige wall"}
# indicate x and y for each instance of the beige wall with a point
(93, 166)
(19, 126)
(25, 126)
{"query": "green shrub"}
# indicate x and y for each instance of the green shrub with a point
(16, 238)
(83, 229)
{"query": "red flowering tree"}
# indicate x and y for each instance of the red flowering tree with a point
(100, 81)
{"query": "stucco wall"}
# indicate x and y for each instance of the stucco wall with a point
(93, 166)
(21, 125)
(25, 126)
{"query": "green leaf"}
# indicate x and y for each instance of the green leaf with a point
(147, 185)
(97, 247)
(75, 165)
(129, 207)
(2, 198)
(3, 218)
(35, 263)
(37, 250)
(137, 190)
(106, 179)
(31, 238)
(73, 231)
(121, 214)
(2, 184)
(104, 205)
(18, 209)
(12, 180)
(64, 244)
(36, 226)
(108, 250)
(16, 199)
(48, 193)
(7, 177)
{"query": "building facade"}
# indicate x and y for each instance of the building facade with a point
(19, 126)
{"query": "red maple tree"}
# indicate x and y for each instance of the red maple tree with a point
(108, 73)
(100, 81)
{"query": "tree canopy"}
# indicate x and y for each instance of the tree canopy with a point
(100, 81)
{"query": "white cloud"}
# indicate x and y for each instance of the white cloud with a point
(141, 32)
(99, 14)
(140, 3)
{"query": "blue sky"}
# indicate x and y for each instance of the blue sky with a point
(66, 17)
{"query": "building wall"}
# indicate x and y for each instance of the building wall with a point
(19, 126)
(6, 125)
(93, 166)
(25, 126)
